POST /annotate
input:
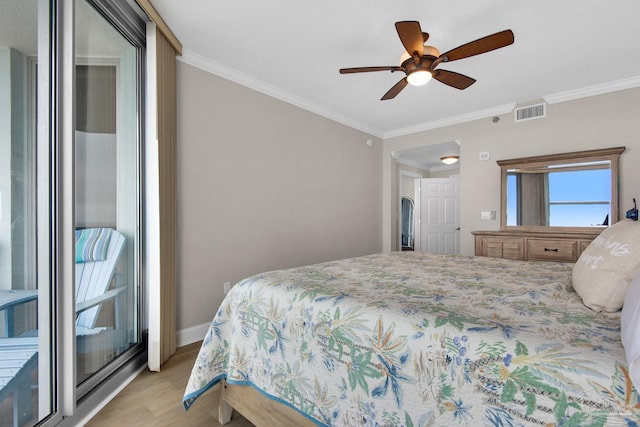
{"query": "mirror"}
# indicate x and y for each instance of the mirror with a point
(575, 190)
(407, 224)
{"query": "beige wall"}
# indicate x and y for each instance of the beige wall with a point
(264, 185)
(600, 121)
(446, 173)
(407, 186)
(407, 175)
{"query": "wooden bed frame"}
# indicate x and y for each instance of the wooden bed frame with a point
(257, 408)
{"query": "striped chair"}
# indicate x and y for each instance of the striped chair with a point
(94, 275)
(97, 284)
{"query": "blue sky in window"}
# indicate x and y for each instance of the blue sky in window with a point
(580, 185)
(588, 185)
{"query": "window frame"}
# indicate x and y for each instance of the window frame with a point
(70, 405)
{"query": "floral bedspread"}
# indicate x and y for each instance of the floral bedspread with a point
(416, 339)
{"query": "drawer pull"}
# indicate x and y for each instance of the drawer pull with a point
(551, 250)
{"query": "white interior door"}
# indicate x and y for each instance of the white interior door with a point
(438, 216)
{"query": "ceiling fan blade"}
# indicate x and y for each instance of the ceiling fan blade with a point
(476, 47)
(425, 37)
(411, 36)
(368, 69)
(391, 93)
(453, 79)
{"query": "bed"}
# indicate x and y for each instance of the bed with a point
(415, 339)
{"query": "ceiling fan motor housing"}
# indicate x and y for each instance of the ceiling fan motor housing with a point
(425, 63)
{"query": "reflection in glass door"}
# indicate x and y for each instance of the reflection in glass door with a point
(37, 305)
(25, 376)
(107, 209)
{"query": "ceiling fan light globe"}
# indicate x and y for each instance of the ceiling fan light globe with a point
(405, 55)
(419, 78)
(428, 51)
(431, 51)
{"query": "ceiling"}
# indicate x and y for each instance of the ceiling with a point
(292, 50)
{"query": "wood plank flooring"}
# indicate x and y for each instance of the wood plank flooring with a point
(155, 399)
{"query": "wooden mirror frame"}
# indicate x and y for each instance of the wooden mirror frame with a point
(610, 154)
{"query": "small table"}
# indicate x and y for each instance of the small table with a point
(9, 300)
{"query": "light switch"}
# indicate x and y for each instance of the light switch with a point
(484, 155)
(485, 214)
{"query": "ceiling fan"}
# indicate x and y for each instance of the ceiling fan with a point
(419, 62)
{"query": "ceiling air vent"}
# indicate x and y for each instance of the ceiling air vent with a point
(531, 112)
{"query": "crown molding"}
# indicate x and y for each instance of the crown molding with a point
(228, 73)
(593, 90)
(550, 99)
(489, 112)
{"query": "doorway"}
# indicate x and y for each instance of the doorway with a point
(414, 164)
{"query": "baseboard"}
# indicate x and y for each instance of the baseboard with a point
(191, 334)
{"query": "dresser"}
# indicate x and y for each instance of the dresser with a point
(533, 245)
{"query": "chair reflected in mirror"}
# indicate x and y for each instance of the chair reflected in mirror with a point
(407, 224)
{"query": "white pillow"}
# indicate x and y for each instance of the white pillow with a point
(605, 268)
(630, 329)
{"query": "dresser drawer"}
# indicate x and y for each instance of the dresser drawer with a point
(504, 248)
(582, 245)
(532, 245)
(552, 250)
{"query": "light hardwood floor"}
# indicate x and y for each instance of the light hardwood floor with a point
(155, 399)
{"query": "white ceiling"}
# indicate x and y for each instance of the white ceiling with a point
(292, 50)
